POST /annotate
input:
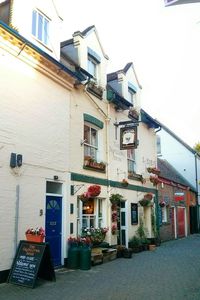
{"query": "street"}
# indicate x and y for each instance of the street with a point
(170, 272)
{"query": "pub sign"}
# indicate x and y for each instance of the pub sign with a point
(128, 137)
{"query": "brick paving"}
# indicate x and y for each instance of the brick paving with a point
(171, 272)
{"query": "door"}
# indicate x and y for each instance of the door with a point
(181, 221)
(121, 224)
(54, 227)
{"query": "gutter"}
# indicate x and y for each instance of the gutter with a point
(37, 49)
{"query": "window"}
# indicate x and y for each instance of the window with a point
(92, 67)
(91, 141)
(40, 27)
(165, 214)
(131, 96)
(89, 214)
(158, 141)
(131, 160)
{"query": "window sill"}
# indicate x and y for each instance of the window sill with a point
(95, 168)
(134, 176)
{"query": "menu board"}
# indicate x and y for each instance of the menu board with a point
(29, 262)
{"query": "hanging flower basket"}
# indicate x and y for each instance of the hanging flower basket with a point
(162, 203)
(116, 198)
(145, 202)
(94, 190)
(153, 170)
(154, 180)
(148, 196)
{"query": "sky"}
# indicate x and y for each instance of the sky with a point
(164, 45)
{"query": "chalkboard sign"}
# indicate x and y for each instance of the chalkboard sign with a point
(32, 260)
(134, 213)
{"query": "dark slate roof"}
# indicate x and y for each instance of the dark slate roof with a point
(119, 100)
(113, 76)
(70, 41)
(167, 171)
(147, 119)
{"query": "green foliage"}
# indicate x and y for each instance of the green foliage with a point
(134, 242)
(116, 198)
(141, 231)
(197, 147)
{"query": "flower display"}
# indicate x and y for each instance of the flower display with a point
(153, 170)
(154, 180)
(37, 231)
(92, 191)
(114, 216)
(96, 235)
(114, 229)
(124, 182)
(148, 196)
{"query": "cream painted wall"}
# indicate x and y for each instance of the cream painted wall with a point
(24, 24)
(92, 42)
(34, 122)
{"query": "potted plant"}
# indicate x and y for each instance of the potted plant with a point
(135, 244)
(124, 182)
(35, 235)
(96, 235)
(145, 202)
(153, 170)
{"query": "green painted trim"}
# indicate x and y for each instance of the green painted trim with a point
(93, 120)
(117, 184)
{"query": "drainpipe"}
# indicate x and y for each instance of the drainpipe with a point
(16, 216)
(197, 188)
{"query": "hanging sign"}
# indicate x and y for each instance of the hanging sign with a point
(175, 2)
(32, 260)
(128, 137)
(179, 196)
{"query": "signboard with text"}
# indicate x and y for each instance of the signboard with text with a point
(179, 197)
(32, 260)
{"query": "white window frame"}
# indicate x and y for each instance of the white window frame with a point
(131, 160)
(93, 68)
(164, 214)
(40, 27)
(98, 218)
(89, 145)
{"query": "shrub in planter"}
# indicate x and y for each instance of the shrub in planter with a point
(135, 244)
(127, 253)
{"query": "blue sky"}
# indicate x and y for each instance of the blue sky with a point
(164, 45)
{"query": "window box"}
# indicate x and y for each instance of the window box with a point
(94, 89)
(90, 163)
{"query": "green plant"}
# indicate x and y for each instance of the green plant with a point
(141, 231)
(96, 235)
(116, 198)
(134, 242)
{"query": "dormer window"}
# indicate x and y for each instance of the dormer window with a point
(94, 61)
(40, 27)
(131, 93)
(92, 67)
(131, 96)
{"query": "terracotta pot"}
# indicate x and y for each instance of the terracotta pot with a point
(34, 238)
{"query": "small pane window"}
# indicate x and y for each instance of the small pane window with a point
(40, 27)
(91, 141)
(131, 160)
(92, 67)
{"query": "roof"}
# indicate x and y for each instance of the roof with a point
(117, 99)
(167, 171)
(75, 74)
(147, 119)
(84, 34)
(114, 75)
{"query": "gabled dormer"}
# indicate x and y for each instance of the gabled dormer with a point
(85, 50)
(37, 21)
(123, 88)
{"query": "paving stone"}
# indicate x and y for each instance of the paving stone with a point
(172, 272)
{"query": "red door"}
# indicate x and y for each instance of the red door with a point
(181, 221)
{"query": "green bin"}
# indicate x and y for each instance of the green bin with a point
(73, 261)
(85, 258)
